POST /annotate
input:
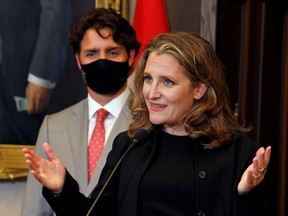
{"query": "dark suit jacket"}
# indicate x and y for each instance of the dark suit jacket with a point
(34, 40)
(218, 173)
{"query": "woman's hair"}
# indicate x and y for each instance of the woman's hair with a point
(122, 32)
(209, 116)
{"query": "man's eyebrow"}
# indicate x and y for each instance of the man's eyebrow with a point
(106, 49)
(91, 50)
(112, 48)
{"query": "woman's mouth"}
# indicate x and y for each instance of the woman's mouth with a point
(158, 106)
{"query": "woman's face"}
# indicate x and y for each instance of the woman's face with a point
(167, 91)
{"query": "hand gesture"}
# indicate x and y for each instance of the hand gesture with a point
(255, 173)
(49, 172)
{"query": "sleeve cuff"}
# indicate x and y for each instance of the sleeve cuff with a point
(41, 82)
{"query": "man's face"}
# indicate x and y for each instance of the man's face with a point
(94, 47)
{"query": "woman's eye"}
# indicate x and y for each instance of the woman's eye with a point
(147, 79)
(168, 82)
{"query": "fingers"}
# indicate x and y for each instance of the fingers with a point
(255, 173)
(268, 154)
(28, 154)
(260, 162)
(250, 178)
(32, 160)
(49, 151)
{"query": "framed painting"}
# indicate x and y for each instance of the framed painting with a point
(120, 6)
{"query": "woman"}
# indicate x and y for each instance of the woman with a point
(195, 158)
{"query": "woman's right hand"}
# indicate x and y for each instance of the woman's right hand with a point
(49, 172)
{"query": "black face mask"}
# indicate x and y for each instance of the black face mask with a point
(104, 76)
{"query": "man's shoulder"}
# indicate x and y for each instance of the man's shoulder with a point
(75, 107)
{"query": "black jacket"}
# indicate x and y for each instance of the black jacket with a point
(218, 173)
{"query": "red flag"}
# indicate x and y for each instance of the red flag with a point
(150, 19)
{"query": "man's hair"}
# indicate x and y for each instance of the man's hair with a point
(100, 18)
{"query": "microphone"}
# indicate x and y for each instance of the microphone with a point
(139, 135)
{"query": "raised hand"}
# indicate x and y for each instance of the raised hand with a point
(49, 172)
(255, 173)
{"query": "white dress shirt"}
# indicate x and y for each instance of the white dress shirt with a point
(114, 108)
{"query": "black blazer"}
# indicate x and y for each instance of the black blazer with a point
(218, 173)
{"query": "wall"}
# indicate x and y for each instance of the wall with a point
(11, 197)
(252, 44)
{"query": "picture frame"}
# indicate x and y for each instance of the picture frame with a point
(12, 162)
(120, 6)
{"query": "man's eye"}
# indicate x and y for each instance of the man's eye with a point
(114, 53)
(90, 54)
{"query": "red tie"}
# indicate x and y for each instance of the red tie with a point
(96, 142)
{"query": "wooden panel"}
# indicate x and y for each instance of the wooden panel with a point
(228, 40)
(284, 134)
(252, 44)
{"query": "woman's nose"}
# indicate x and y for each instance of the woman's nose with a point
(154, 92)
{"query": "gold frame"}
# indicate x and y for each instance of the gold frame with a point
(12, 162)
(120, 6)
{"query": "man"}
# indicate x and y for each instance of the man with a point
(105, 46)
(33, 51)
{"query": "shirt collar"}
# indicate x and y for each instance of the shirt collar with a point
(114, 107)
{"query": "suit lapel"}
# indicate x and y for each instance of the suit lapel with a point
(78, 129)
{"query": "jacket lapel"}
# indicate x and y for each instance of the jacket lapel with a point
(78, 129)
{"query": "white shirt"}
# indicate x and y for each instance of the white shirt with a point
(41, 82)
(114, 108)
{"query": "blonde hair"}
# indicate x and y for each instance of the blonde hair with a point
(210, 116)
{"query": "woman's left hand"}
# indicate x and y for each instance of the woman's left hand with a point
(255, 173)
